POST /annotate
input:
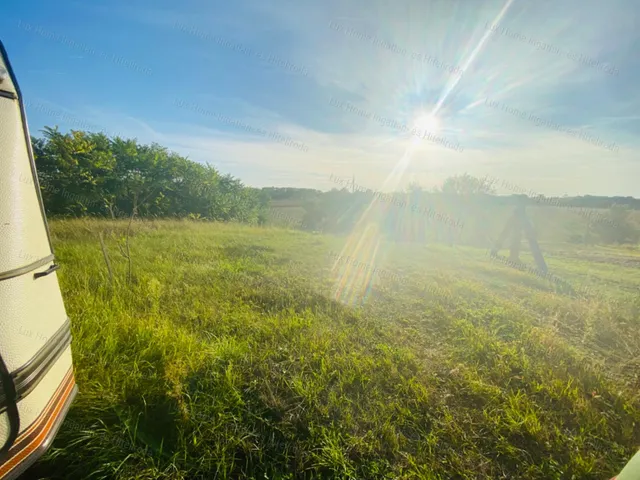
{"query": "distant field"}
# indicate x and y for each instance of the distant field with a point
(552, 224)
(238, 352)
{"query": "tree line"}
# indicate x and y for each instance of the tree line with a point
(464, 209)
(91, 174)
(84, 173)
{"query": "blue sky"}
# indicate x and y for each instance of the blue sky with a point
(236, 83)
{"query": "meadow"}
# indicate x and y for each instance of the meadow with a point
(225, 351)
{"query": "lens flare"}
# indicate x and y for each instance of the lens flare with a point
(427, 122)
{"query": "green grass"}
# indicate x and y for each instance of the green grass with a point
(227, 356)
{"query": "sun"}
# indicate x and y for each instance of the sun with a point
(427, 122)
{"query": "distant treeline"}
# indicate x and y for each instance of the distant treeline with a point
(83, 173)
(520, 194)
(464, 209)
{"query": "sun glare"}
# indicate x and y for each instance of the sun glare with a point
(427, 122)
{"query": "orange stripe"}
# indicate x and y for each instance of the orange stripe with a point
(18, 457)
(45, 410)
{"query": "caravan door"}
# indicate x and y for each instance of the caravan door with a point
(37, 384)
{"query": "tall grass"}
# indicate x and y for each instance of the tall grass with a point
(227, 357)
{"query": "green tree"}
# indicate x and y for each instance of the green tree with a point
(616, 227)
(466, 184)
(91, 174)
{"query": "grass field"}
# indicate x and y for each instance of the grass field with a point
(238, 352)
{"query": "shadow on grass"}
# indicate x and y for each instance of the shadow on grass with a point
(240, 250)
(270, 297)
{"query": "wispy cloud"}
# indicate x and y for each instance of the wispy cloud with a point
(541, 122)
(266, 57)
(554, 49)
(393, 47)
(248, 129)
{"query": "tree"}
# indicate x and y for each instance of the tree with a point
(83, 173)
(414, 188)
(465, 196)
(466, 184)
(616, 227)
